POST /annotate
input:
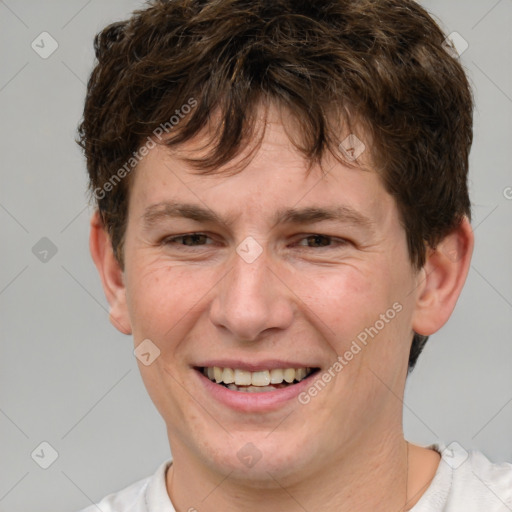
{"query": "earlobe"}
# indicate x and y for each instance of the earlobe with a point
(110, 273)
(442, 278)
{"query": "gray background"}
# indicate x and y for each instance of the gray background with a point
(69, 378)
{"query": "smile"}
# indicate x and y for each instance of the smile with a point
(256, 382)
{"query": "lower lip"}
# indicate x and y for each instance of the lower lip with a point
(253, 401)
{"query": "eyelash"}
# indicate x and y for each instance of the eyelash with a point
(339, 241)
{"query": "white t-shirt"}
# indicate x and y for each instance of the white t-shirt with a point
(464, 482)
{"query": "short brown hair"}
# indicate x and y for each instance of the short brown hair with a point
(382, 62)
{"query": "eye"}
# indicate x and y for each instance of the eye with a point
(320, 241)
(187, 240)
(311, 241)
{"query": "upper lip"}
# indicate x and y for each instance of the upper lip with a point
(253, 366)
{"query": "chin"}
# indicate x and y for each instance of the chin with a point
(257, 459)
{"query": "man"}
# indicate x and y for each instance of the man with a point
(283, 220)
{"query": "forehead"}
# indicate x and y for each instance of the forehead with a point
(276, 183)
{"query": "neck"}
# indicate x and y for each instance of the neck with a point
(370, 477)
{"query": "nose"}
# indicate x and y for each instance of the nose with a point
(252, 299)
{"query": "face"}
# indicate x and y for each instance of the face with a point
(260, 273)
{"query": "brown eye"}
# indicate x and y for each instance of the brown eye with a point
(319, 241)
(188, 240)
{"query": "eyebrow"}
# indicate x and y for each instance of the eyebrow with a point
(164, 210)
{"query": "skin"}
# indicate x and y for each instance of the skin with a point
(345, 449)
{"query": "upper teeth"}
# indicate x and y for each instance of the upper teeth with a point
(260, 378)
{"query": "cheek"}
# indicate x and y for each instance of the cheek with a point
(362, 310)
(344, 299)
(158, 296)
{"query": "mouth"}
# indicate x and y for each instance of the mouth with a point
(260, 381)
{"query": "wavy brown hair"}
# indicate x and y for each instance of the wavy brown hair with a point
(380, 63)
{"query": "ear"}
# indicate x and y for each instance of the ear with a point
(441, 279)
(111, 274)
